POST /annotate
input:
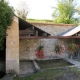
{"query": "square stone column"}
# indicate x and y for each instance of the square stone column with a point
(12, 47)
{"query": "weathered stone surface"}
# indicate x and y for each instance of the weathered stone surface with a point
(54, 29)
(26, 67)
(36, 66)
(12, 47)
(28, 47)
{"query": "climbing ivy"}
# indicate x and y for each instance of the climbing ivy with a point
(6, 17)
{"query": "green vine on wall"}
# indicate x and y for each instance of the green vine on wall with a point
(6, 17)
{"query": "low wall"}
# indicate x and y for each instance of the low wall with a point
(28, 47)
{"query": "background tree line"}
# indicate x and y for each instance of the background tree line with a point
(65, 12)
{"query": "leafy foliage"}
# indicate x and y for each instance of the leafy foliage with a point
(40, 47)
(2, 0)
(40, 51)
(6, 17)
(64, 13)
(59, 49)
(73, 47)
(39, 20)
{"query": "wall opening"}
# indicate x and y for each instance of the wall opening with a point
(3, 60)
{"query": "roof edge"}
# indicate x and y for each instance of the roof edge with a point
(50, 23)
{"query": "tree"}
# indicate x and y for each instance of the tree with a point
(6, 17)
(65, 11)
(22, 10)
(2, 0)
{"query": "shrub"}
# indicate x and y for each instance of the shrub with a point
(73, 47)
(59, 49)
(6, 17)
(40, 51)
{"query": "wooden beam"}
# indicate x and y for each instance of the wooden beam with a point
(47, 37)
(36, 33)
(33, 27)
(25, 32)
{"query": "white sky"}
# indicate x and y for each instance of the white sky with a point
(38, 9)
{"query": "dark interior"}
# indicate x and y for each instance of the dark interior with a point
(25, 25)
(3, 60)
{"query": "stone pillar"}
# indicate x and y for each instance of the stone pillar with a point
(12, 48)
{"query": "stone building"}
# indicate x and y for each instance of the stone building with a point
(24, 37)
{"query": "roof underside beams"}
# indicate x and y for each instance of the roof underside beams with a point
(23, 25)
(27, 28)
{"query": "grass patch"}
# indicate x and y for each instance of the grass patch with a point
(37, 20)
(50, 74)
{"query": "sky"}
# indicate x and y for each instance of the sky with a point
(38, 9)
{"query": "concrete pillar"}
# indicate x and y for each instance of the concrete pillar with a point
(12, 48)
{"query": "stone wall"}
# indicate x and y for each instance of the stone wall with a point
(27, 47)
(54, 29)
(12, 48)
